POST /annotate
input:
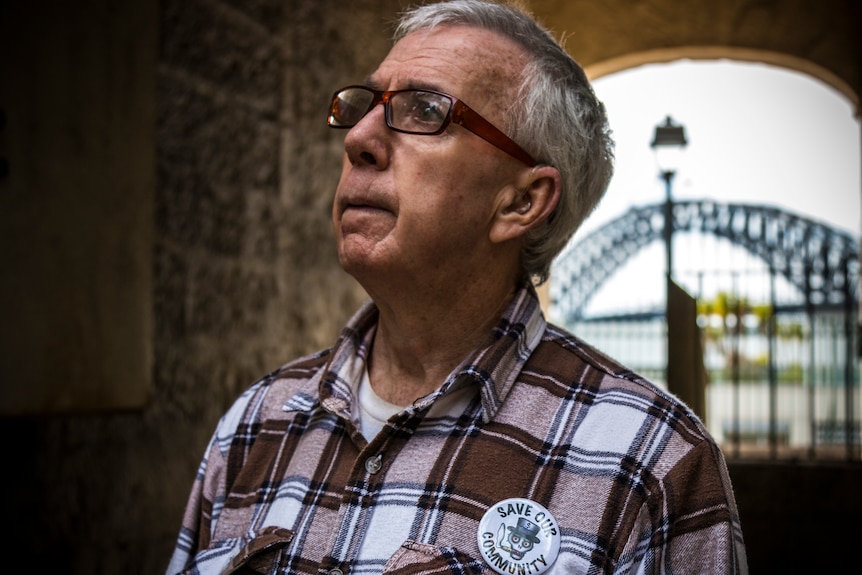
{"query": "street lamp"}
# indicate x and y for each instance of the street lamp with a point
(668, 143)
(684, 369)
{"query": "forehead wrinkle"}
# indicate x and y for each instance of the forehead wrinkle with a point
(484, 74)
(423, 70)
(497, 81)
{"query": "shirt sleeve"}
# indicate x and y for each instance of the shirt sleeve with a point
(209, 490)
(689, 522)
(197, 523)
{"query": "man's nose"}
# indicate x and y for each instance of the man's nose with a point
(368, 141)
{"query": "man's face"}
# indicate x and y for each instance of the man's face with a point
(416, 207)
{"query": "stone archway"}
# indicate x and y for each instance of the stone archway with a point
(713, 53)
(822, 39)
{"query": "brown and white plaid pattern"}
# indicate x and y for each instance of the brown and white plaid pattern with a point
(289, 484)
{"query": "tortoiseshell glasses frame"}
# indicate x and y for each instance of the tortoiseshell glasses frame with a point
(421, 112)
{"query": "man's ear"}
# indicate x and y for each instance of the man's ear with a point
(525, 206)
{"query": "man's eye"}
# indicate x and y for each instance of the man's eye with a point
(427, 109)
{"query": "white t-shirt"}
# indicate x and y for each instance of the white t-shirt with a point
(374, 411)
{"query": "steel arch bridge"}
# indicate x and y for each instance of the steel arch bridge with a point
(822, 262)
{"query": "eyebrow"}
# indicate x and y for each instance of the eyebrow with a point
(411, 85)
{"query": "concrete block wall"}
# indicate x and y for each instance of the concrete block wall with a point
(246, 271)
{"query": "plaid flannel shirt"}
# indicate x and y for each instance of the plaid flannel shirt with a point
(289, 484)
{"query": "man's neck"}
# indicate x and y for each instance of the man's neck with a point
(420, 340)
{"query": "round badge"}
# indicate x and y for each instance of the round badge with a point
(519, 536)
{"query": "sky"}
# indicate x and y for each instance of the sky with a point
(756, 134)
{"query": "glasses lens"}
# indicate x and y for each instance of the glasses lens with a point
(419, 112)
(349, 106)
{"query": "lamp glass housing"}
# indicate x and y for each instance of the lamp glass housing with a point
(668, 143)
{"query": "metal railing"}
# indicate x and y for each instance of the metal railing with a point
(782, 382)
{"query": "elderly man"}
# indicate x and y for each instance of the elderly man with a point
(450, 429)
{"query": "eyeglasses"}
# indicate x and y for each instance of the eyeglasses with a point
(421, 112)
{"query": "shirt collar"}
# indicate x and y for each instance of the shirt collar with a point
(494, 366)
(498, 364)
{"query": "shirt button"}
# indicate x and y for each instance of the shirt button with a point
(336, 571)
(372, 466)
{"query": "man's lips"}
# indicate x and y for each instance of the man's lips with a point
(362, 206)
(364, 216)
(360, 209)
(359, 189)
(363, 203)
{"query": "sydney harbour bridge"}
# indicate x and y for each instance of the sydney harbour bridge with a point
(820, 263)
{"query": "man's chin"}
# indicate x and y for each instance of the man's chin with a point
(358, 265)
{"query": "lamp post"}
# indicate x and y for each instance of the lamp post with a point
(683, 377)
(667, 144)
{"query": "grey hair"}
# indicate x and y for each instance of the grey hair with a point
(556, 118)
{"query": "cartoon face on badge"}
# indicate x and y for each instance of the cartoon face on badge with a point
(520, 539)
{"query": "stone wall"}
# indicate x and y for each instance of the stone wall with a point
(246, 271)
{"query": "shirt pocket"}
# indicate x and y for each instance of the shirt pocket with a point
(262, 553)
(413, 557)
